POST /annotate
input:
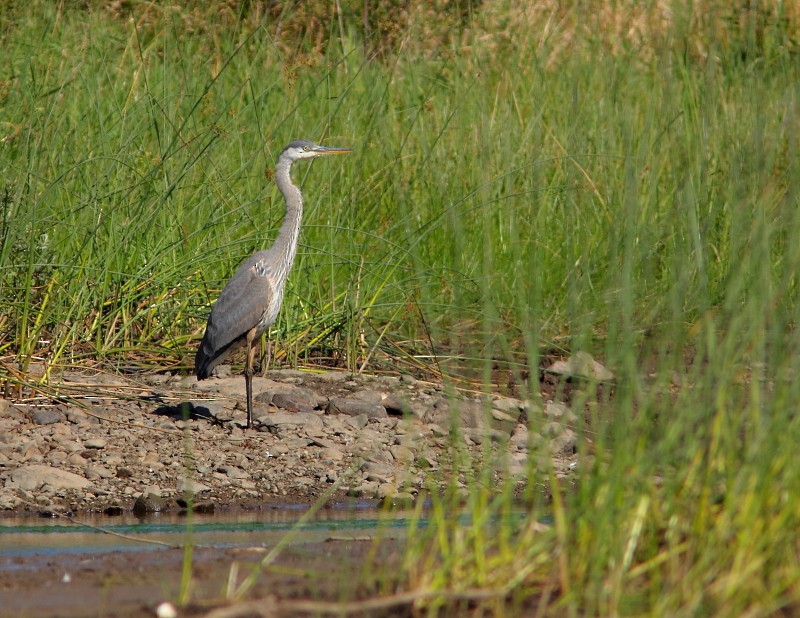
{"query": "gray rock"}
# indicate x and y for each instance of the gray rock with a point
(380, 456)
(566, 443)
(233, 472)
(503, 422)
(67, 444)
(397, 404)
(509, 405)
(97, 472)
(368, 489)
(332, 454)
(205, 508)
(354, 407)
(369, 396)
(77, 416)
(76, 459)
(399, 500)
(401, 453)
(560, 412)
(293, 402)
(149, 503)
(374, 471)
(281, 422)
(323, 443)
(191, 486)
(426, 460)
(56, 458)
(357, 422)
(445, 413)
(581, 365)
(33, 477)
(332, 376)
(478, 435)
(472, 414)
(47, 417)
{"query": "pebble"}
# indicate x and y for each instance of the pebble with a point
(354, 407)
(149, 503)
(581, 365)
(47, 417)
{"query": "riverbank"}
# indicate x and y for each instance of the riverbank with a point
(159, 442)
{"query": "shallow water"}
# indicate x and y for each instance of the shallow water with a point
(30, 536)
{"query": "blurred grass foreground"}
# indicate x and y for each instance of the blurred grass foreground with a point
(530, 179)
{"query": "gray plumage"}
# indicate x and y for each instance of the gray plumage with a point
(251, 299)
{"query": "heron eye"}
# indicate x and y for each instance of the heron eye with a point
(305, 147)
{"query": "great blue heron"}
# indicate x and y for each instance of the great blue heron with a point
(250, 301)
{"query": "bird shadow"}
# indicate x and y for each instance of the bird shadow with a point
(188, 411)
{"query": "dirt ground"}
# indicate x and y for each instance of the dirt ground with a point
(305, 579)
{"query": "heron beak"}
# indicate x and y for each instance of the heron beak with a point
(332, 150)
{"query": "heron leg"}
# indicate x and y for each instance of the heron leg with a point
(248, 376)
(267, 358)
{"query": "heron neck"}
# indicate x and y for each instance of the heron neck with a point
(286, 244)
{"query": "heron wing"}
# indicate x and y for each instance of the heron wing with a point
(240, 307)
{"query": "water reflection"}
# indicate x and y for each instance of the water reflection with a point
(21, 536)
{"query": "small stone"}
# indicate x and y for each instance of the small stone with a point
(477, 436)
(503, 422)
(401, 453)
(56, 457)
(166, 610)
(95, 443)
(357, 422)
(52, 511)
(47, 417)
(559, 411)
(280, 423)
(292, 403)
(205, 508)
(332, 453)
(380, 456)
(149, 503)
(233, 472)
(399, 500)
(192, 486)
(354, 407)
(365, 490)
(426, 460)
(509, 405)
(581, 365)
(97, 472)
(76, 459)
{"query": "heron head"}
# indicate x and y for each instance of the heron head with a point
(303, 149)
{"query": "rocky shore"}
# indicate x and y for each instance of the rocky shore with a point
(159, 442)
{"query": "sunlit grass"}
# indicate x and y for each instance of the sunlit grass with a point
(637, 199)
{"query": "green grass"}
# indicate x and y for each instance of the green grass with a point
(519, 187)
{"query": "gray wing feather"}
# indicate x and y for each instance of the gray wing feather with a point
(240, 307)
